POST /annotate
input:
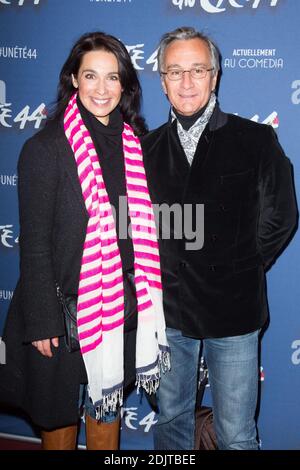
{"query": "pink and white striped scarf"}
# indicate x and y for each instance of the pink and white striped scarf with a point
(100, 306)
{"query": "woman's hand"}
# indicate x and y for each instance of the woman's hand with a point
(44, 346)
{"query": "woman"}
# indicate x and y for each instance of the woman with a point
(71, 176)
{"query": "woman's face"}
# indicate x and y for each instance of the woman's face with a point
(98, 84)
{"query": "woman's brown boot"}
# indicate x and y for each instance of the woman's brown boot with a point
(102, 436)
(60, 439)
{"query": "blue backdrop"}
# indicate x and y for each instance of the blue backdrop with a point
(259, 41)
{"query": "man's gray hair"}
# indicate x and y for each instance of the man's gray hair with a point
(184, 33)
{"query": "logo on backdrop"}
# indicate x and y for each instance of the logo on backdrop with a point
(8, 180)
(111, 1)
(295, 358)
(6, 294)
(296, 94)
(240, 58)
(253, 59)
(2, 91)
(2, 352)
(17, 52)
(136, 52)
(8, 117)
(271, 120)
(220, 6)
(132, 420)
(19, 3)
(7, 237)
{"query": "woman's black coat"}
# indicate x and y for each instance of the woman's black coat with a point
(53, 221)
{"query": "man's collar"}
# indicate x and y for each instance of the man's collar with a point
(218, 118)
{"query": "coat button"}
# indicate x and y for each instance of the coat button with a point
(214, 238)
(182, 264)
(212, 268)
(223, 208)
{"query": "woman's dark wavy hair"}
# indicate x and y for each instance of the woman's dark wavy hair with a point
(132, 93)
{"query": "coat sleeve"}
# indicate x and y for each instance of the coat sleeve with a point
(37, 187)
(278, 209)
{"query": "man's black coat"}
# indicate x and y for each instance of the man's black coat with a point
(241, 175)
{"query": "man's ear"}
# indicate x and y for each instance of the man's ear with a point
(74, 81)
(214, 82)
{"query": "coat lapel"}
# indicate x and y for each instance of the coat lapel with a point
(180, 161)
(202, 150)
(205, 145)
(70, 167)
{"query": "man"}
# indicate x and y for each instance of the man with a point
(238, 171)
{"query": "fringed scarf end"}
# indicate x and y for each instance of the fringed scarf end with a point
(110, 402)
(149, 383)
(164, 360)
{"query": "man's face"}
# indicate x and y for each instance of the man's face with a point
(188, 95)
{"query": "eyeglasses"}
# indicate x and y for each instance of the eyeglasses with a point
(195, 72)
